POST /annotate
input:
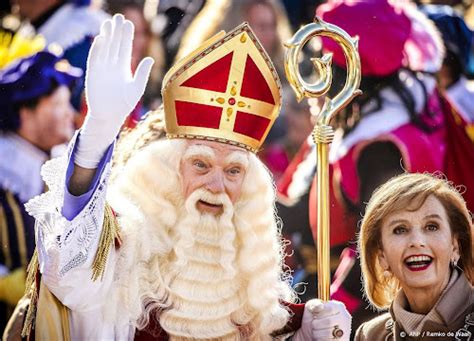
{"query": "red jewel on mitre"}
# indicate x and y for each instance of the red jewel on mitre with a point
(227, 90)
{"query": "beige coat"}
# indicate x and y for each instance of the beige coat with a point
(455, 308)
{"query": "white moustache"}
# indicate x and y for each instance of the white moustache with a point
(206, 196)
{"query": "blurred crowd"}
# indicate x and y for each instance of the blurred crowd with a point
(416, 113)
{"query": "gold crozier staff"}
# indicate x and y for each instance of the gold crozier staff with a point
(323, 132)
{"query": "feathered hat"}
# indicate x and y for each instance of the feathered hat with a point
(28, 72)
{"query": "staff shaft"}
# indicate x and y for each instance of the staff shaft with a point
(323, 263)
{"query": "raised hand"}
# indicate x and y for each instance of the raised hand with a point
(111, 90)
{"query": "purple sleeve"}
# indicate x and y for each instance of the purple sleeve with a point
(72, 204)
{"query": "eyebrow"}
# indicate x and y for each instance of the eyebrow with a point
(398, 221)
(431, 216)
(238, 158)
(199, 151)
(434, 215)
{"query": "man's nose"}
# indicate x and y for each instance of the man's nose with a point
(215, 183)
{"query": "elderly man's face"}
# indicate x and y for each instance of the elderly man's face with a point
(216, 167)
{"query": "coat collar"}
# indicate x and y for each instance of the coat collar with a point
(458, 299)
(455, 303)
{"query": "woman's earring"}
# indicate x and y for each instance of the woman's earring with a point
(387, 274)
(454, 262)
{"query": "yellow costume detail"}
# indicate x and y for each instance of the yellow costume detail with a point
(18, 46)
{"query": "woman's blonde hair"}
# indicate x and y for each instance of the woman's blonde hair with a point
(397, 194)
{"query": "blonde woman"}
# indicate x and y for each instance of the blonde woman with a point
(416, 256)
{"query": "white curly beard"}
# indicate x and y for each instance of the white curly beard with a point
(201, 276)
(201, 273)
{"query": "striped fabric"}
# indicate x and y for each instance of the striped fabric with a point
(17, 240)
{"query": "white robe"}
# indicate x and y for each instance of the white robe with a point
(66, 250)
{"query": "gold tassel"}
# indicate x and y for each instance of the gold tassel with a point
(31, 271)
(30, 314)
(110, 231)
(31, 291)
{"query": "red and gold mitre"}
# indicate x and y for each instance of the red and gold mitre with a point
(227, 91)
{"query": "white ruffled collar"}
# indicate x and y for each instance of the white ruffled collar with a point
(21, 166)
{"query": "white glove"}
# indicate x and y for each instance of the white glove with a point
(111, 90)
(324, 321)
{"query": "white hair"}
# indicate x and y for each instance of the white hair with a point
(201, 276)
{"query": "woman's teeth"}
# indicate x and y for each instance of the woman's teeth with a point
(418, 261)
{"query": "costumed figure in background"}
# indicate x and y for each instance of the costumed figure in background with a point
(185, 244)
(458, 40)
(171, 19)
(35, 116)
(415, 245)
(72, 24)
(399, 124)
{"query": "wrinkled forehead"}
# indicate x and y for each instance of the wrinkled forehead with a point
(216, 151)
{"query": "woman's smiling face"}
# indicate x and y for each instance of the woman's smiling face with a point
(417, 245)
